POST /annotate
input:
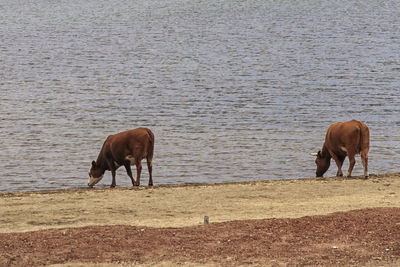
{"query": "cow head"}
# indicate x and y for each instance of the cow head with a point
(323, 162)
(95, 174)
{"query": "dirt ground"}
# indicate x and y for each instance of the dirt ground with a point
(307, 222)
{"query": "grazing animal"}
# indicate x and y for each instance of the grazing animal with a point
(344, 139)
(124, 149)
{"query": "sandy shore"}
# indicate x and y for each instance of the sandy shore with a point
(306, 222)
(186, 205)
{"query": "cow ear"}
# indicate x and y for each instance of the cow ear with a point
(93, 164)
(319, 154)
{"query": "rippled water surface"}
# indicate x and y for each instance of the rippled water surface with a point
(233, 90)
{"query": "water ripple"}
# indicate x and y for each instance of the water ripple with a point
(233, 90)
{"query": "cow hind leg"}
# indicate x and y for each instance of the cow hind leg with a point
(352, 161)
(364, 159)
(150, 168)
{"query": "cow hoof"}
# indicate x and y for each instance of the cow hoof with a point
(112, 186)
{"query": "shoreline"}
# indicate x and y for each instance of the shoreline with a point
(186, 204)
(141, 187)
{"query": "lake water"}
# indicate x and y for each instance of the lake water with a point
(233, 90)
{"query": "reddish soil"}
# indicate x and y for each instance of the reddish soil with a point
(362, 237)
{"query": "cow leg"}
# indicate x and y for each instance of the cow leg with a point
(129, 171)
(352, 161)
(138, 171)
(150, 168)
(364, 159)
(113, 171)
(339, 162)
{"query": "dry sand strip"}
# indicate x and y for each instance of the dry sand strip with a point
(186, 205)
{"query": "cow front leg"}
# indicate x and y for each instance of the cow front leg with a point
(339, 162)
(129, 171)
(113, 178)
(138, 171)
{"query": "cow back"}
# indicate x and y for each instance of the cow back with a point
(343, 135)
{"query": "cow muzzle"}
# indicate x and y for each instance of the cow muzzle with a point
(92, 181)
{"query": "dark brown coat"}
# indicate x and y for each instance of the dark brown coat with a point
(124, 149)
(344, 139)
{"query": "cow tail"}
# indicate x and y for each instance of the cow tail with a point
(150, 151)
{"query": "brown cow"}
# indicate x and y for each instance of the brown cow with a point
(344, 139)
(125, 148)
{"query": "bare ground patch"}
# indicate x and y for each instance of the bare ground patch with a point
(355, 238)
